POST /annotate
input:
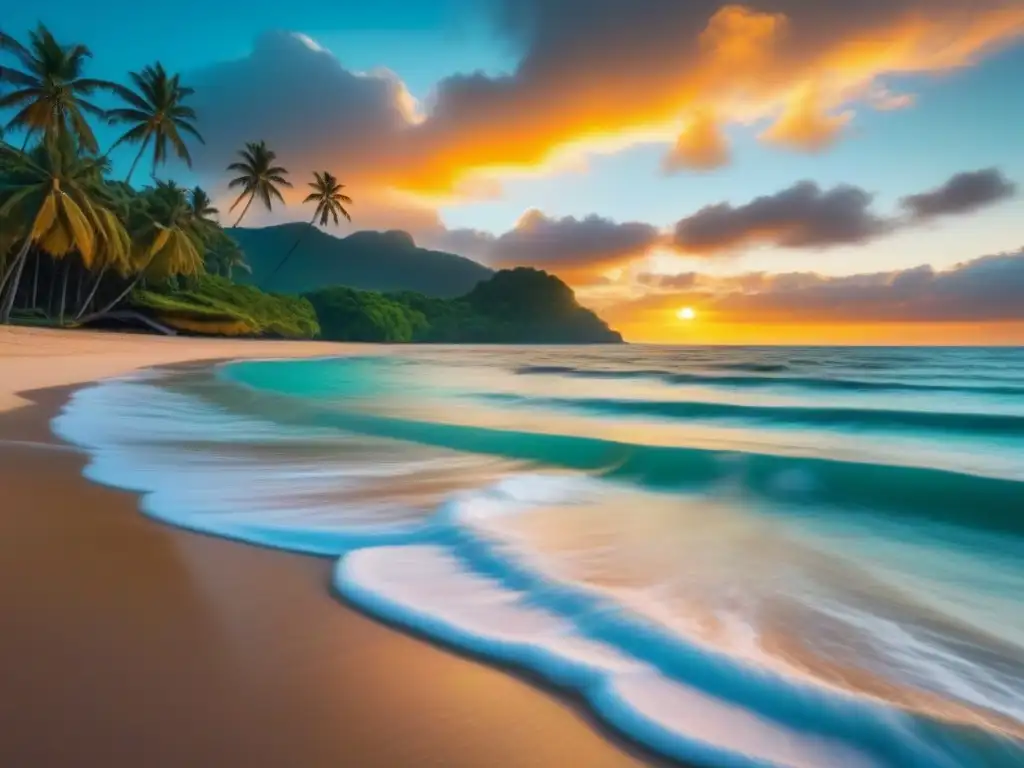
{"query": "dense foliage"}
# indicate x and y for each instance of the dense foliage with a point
(347, 314)
(78, 247)
(519, 306)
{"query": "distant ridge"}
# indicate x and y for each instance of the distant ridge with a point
(373, 261)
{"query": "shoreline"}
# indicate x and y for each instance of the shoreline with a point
(138, 643)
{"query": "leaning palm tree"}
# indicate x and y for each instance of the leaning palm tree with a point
(156, 113)
(49, 91)
(54, 201)
(165, 242)
(330, 201)
(259, 177)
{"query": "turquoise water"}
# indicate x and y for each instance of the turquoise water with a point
(736, 556)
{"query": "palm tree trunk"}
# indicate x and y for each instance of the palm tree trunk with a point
(6, 274)
(53, 287)
(290, 252)
(64, 289)
(120, 296)
(79, 285)
(12, 281)
(245, 210)
(35, 280)
(92, 294)
(128, 178)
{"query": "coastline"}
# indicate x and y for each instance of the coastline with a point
(136, 643)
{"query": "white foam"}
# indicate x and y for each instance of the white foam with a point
(428, 589)
(194, 465)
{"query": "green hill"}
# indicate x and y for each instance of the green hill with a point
(517, 306)
(372, 261)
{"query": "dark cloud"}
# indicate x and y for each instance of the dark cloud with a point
(806, 216)
(593, 240)
(302, 102)
(963, 193)
(567, 245)
(803, 216)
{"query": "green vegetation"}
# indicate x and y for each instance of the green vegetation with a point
(347, 314)
(77, 247)
(215, 305)
(518, 306)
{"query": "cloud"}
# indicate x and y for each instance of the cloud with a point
(806, 124)
(311, 110)
(700, 147)
(803, 216)
(963, 193)
(679, 282)
(594, 75)
(984, 290)
(885, 100)
(578, 248)
(806, 216)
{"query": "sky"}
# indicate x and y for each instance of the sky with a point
(792, 171)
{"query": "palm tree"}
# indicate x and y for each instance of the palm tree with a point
(54, 200)
(259, 177)
(200, 205)
(201, 212)
(165, 240)
(167, 220)
(225, 256)
(330, 201)
(156, 113)
(50, 92)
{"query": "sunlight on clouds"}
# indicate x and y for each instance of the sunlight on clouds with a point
(309, 42)
(701, 146)
(805, 122)
(682, 78)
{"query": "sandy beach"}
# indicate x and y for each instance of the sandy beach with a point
(128, 643)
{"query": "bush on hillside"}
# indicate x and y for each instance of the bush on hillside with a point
(214, 305)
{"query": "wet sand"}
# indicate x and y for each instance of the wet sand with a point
(129, 643)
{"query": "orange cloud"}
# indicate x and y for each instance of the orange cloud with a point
(700, 147)
(597, 77)
(805, 123)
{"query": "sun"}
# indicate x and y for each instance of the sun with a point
(686, 313)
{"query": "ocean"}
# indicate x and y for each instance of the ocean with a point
(733, 556)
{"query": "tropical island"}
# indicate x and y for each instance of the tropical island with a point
(80, 248)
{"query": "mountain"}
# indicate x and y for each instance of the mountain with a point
(373, 261)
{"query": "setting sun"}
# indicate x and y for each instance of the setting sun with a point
(686, 313)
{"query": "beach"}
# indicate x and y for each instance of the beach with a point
(127, 642)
